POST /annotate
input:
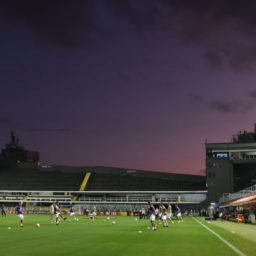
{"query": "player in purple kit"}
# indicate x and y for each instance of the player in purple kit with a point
(178, 214)
(152, 216)
(72, 212)
(20, 211)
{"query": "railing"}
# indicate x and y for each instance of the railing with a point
(83, 197)
(239, 194)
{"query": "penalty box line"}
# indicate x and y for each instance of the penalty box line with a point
(221, 238)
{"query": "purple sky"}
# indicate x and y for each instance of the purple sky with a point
(134, 84)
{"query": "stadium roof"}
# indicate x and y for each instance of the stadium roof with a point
(245, 201)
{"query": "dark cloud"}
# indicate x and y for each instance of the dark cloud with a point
(224, 30)
(142, 14)
(17, 125)
(58, 22)
(124, 77)
(242, 58)
(219, 10)
(253, 95)
(5, 121)
(53, 130)
(196, 98)
(214, 59)
(242, 105)
(235, 106)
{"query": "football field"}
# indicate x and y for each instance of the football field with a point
(127, 236)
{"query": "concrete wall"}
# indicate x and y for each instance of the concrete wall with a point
(219, 178)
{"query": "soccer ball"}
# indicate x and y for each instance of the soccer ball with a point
(113, 222)
(38, 225)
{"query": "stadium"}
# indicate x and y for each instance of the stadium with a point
(22, 178)
(111, 205)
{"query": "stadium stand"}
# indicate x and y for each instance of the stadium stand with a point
(141, 181)
(34, 179)
(22, 178)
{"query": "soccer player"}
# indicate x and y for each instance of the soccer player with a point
(169, 213)
(178, 211)
(52, 213)
(94, 212)
(152, 216)
(20, 211)
(72, 212)
(3, 212)
(157, 212)
(143, 213)
(163, 215)
(56, 212)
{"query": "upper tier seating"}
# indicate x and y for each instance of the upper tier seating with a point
(122, 182)
(34, 179)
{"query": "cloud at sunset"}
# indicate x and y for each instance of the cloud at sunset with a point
(245, 104)
(228, 107)
(59, 23)
(224, 30)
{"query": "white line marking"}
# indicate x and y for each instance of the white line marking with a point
(221, 238)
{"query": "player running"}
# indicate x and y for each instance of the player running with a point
(52, 213)
(152, 216)
(20, 212)
(178, 211)
(72, 213)
(163, 215)
(169, 213)
(94, 212)
(3, 211)
(57, 213)
(56, 208)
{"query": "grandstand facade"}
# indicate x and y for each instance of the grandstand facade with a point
(231, 167)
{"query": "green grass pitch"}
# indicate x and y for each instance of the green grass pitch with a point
(127, 237)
